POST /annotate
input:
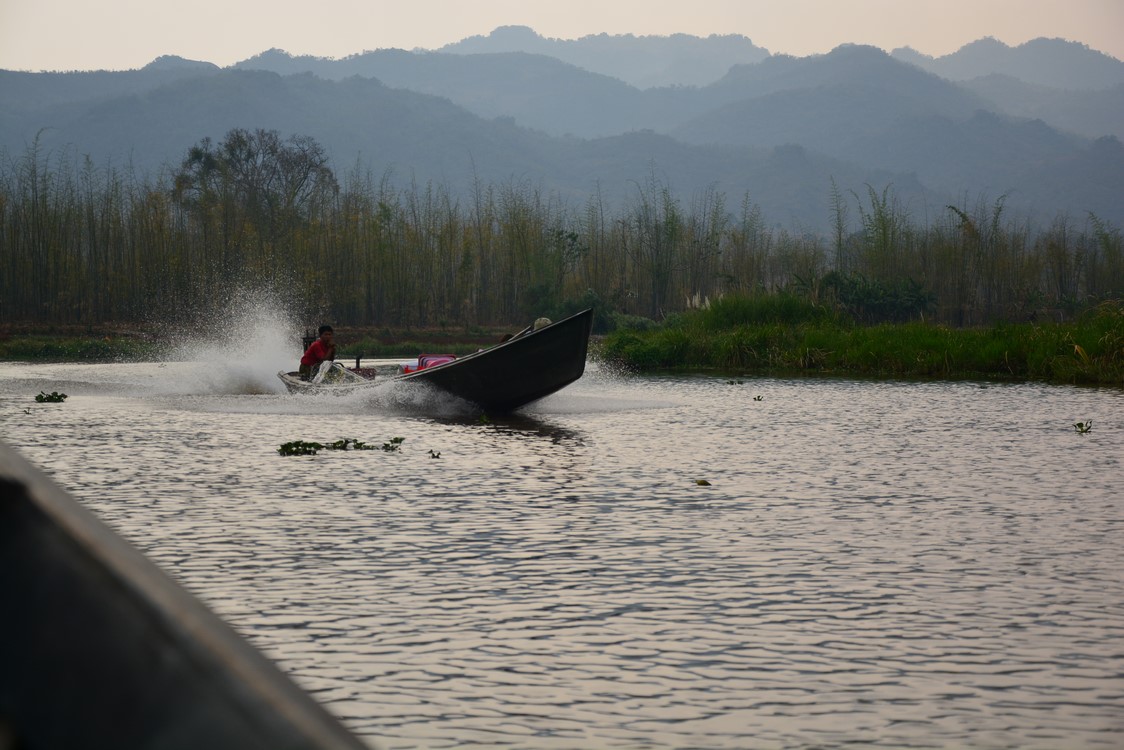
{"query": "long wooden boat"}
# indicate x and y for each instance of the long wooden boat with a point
(536, 362)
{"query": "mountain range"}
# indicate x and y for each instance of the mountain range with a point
(1040, 123)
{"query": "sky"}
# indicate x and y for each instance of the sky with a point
(124, 34)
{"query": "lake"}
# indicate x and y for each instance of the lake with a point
(634, 562)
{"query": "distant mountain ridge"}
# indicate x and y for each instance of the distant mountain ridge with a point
(413, 137)
(640, 61)
(778, 129)
(538, 91)
(574, 97)
(1089, 113)
(1056, 63)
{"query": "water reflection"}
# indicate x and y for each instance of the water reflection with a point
(519, 425)
(895, 565)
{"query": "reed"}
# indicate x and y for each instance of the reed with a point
(86, 244)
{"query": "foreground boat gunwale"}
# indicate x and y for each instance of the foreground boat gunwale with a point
(103, 649)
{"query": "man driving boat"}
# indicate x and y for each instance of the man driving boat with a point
(321, 350)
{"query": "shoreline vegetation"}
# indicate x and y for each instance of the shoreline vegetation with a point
(773, 334)
(782, 334)
(100, 263)
(39, 343)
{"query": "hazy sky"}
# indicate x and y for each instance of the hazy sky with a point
(121, 34)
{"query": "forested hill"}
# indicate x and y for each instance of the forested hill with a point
(778, 129)
(1056, 63)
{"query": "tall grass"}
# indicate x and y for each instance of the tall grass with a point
(86, 244)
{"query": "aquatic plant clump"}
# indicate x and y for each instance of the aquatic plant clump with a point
(393, 444)
(300, 448)
(54, 397)
(311, 448)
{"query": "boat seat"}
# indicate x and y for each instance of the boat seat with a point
(432, 360)
(424, 361)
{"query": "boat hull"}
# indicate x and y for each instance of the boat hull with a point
(517, 372)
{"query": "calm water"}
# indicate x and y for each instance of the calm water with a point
(893, 565)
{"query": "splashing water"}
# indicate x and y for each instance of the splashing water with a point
(240, 352)
(411, 398)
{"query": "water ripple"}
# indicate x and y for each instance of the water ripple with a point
(888, 565)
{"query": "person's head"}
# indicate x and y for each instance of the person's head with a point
(326, 333)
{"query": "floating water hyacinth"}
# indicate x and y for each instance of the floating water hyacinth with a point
(54, 397)
(311, 448)
(348, 444)
(393, 444)
(300, 448)
(1083, 428)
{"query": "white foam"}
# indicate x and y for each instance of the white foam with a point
(249, 341)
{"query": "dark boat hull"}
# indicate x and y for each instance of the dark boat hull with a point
(98, 648)
(515, 373)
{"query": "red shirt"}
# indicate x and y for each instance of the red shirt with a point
(316, 354)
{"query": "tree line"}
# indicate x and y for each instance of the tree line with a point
(86, 244)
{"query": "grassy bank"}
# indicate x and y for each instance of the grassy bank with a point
(786, 334)
(45, 347)
(776, 334)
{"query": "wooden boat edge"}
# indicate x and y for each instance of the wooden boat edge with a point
(184, 679)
